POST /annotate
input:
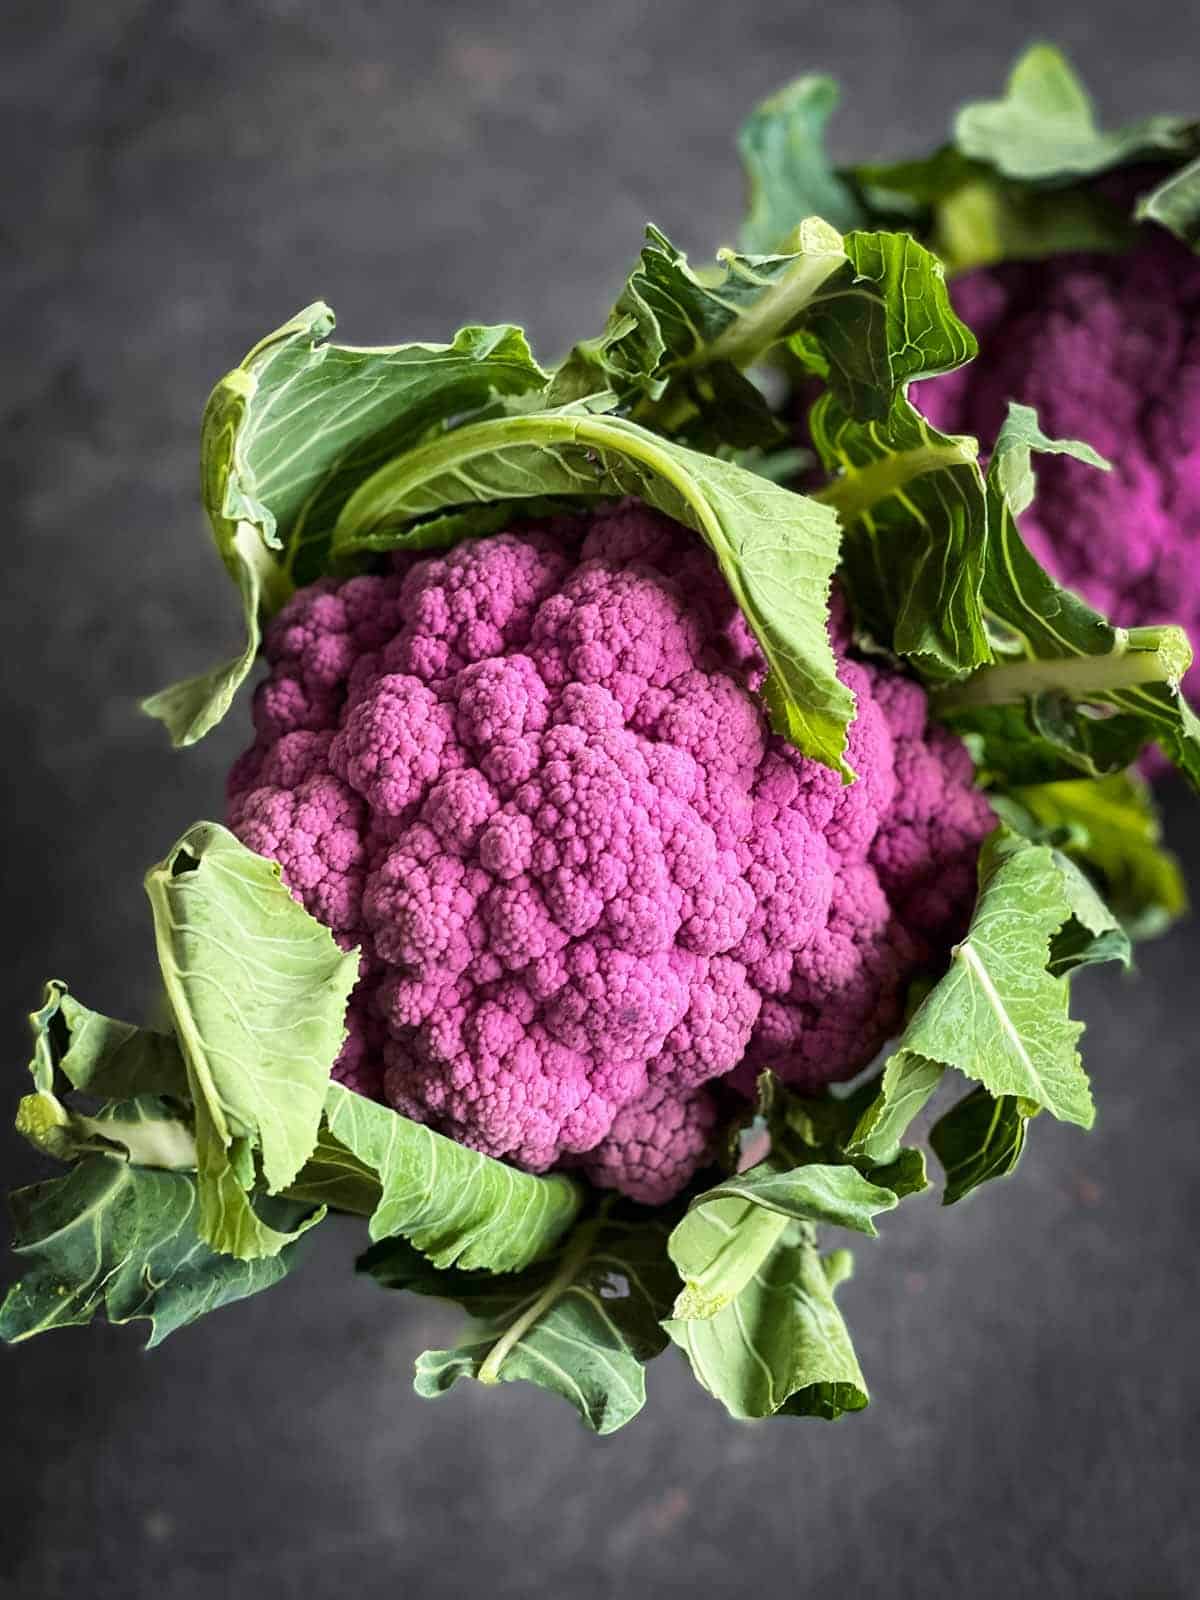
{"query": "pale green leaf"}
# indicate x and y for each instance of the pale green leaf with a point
(781, 1344)
(456, 1206)
(292, 431)
(289, 434)
(789, 174)
(257, 990)
(730, 1230)
(1044, 126)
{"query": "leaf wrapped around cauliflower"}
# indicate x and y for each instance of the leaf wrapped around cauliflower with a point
(532, 781)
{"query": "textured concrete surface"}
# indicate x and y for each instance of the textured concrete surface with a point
(182, 175)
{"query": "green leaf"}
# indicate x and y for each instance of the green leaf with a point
(1091, 934)
(777, 550)
(1175, 203)
(782, 145)
(123, 1239)
(1111, 827)
(730, 1230)
(1011, 466)
(671, 327)
(1044, 126)
(883, 322)
(914, 511)
(781, 1344)
(935, 568)
(998, 1014)
(257, 990)
(457, 1207)
(869, 311)
(290, 433)
(112, 1060)
(978, 1139)
(581, 1323)
(907, 1083)
(293, 431)
(193, 707)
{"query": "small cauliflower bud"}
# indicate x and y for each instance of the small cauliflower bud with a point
(655, 1144)
(588, 881)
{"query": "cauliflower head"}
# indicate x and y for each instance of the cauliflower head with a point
(531, 781)
(1107, 349)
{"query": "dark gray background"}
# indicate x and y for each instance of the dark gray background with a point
(183, 176)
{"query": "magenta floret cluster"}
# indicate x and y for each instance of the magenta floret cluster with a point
(1107, 348)
(532, 782)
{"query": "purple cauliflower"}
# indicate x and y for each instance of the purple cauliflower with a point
(1107, 349)
(530, 780)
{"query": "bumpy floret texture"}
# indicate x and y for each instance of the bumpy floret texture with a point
(1107, 348)
(531, 781)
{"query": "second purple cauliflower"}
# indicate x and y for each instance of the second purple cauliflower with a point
(532, 781)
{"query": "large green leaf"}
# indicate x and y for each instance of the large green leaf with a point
(777, 550)
(780, 1345)
(789, 174)
(1044, 126)
(582, 1323)
(291, 432)
(257, 990)
(869, 311)
(124, 1240)
(884, 321)
(457, 1207)
(998, 1014)
(730, 1230)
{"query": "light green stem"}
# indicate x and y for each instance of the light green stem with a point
(1138, 656)
(856, 492)
(489, 1370)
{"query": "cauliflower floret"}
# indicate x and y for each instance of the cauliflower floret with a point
(1107, 349)
(532, 781)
